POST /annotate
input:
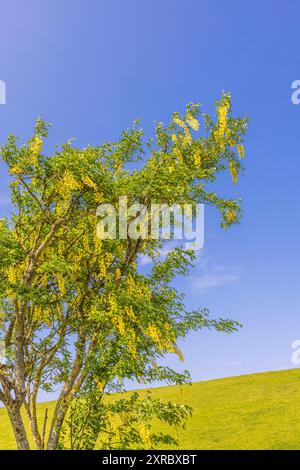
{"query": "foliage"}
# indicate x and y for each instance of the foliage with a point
(75, 308)
(122, 423)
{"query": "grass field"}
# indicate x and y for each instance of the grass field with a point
(258, 411)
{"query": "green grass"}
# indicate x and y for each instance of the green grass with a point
(258, 411)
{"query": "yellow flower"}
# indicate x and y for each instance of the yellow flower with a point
(178, 154)
(36, 145)
(38, 315)
(222, 112)
(233, 171)
(44, 280)
(112, 303)
(129, 312)
(59, 209)
(119, 325)
(130, 284)
(90, 183)
(192, 121)
(102, 268)
(230, 216)
(61, 284)
(118, 274)
(197, 159)
(153, 333)
(187, 138)
(241, 150)
(100, 385)
(131, 344)
(15, 170)
(70, 182)
(12, 274)
(179, 122)
(118, 167)
(97, 243)
(144, 433)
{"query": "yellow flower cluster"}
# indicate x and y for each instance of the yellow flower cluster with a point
(104, 264)
(197, 159)
(179, 122)
(153, 333)
(130, 313)
(59, 209)
(66, 185)
(171, 169)
(222, 120)
(118, 274)
(61, 284)
(144, 433)
(178, 154)
(69, 182)
(130, 285)
(192, 121)
(165, 339)
(123, 328)
(140, 290)
(230, 216)
(100, 385)
(112, 303)
(185, 138)
(2, 318)
(118, 166)
(35, 147)
(15, 170)
(97, 243)
(119, 324)
(89, 182)
(131, 343)
(233, 171)
(12, 274)
(44, 280)
(241, 150)
(40, 314)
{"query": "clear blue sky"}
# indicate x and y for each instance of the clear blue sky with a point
(92, 66)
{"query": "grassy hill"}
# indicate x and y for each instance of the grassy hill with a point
(258, 411)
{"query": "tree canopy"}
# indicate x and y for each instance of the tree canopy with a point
(77, 311)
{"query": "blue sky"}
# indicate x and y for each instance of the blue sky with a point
(90, 67)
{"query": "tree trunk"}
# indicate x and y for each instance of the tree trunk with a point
(34, 426)
(67, 394)
(59, 416)
(18, 427)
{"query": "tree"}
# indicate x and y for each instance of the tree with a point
(75, 308)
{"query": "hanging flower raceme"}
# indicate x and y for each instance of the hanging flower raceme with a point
(233, 168)
(35, 147)
(222, 113)
(230, 216)
(192, 121)
(241, 150)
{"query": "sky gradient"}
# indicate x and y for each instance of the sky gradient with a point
(90, 67)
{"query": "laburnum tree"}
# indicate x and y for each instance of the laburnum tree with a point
(77, 313)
